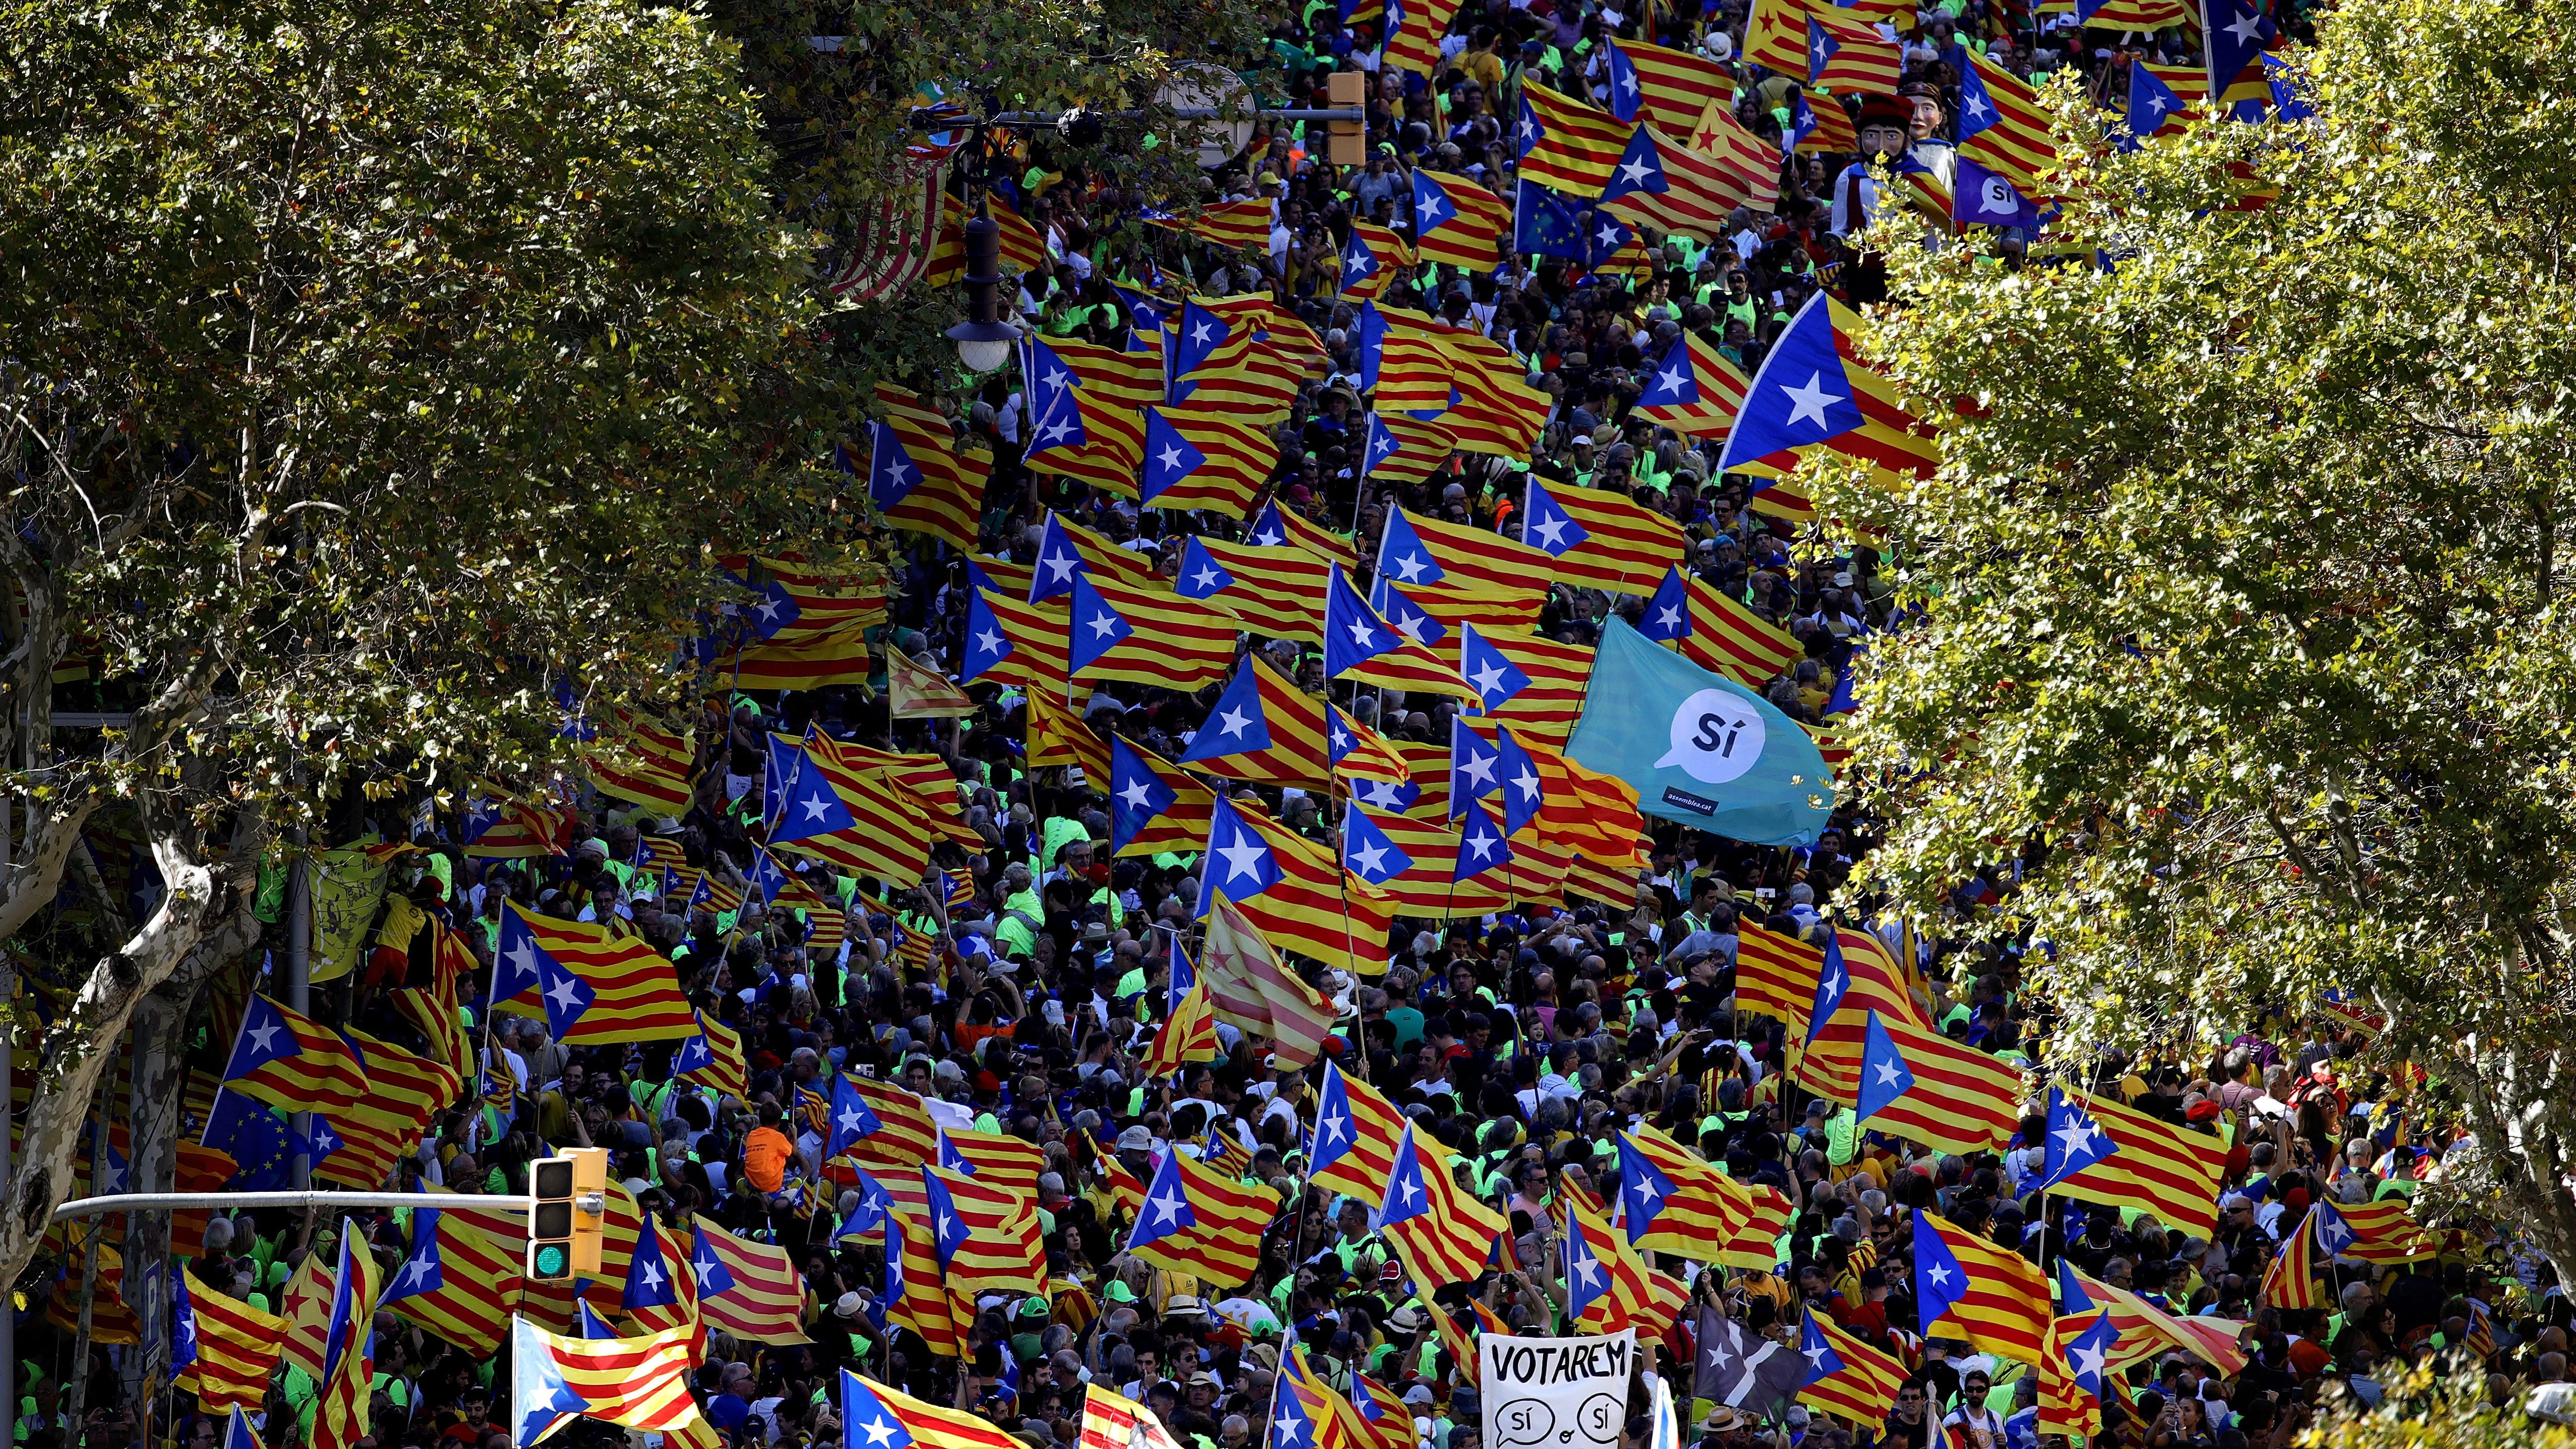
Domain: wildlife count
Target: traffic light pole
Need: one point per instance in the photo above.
(472, 1205)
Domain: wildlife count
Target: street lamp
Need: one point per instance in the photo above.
(984, 341)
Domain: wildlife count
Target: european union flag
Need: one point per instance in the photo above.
(1545, 224)
(255, 1139)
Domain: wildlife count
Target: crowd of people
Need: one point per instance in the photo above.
(1022, 984)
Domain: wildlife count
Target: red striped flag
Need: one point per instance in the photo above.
(646, 764)
(1752, 161)
(1351, 1145)
(1276, 526)
(1428, 886)
(1663, 185)
(1849, 56)
(2000, 1302)
(1832, 132)
(1670, 1199)
(1450, 608)
(1694, 390)
(1204, 456)
(1251, 988)
(2385, 1232)
(1457, 221)
(1058, 736)
(591, 988)
(2291, 1279)
(1415, 370)
(1673, 86)
(2165, 1171)
(1407, 450)
(1128, 379)
(1444, 1234)
(635, 1383)
(990, 1156)
(236, 1348)
(1112, 1422)
(933, 489)
(1079, 435)
(1262, 729)
(1566, 144)
(1599, 538)
(898, 1132)
(1151, 637)
(1197, 1222)
(292, 1062)
(917, 1294)
(340, 1417)
(1189, 1035)
(1721, 633)
(1419, 550)
(1454, 1341)
(2002, 126)
(750, 1290)
(1963, 1101)
(1277, 593)
(1291, 892)
(1862, 1387)
(1023, 250)
(1009, 641)
(1414, 42)
(458, 1282)
(1776, 36)
(872, 1413)
(1138, 825)
(1757, 1216)
(985, 1233)
(1775, 974)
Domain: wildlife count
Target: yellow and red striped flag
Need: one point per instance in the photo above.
(1754, 162)
(589, 987)
(1454, 1341)
(458, 1282)
(1128, 379)
(1189, 1035)
(916, 475)
(1406, 450)
(916, 691)
(1110, 1421)
(1023, 250)
(2165, 1171)
(1716, 631)
(1414, 42)
(750, 1290)
(1665, 186)
(1289, 891)
(647, 764)
(990, 1156)
(1667, 88)
(1351, 1146)
(985, 1234)
(813, 663)
(1262, 729)
(1277, 593)
(715, 1058)
(1826, 128)
(1154, 806)
(1204, 456)
(1427, 883)
(1849, 1379)
(1670, 1199)
(886, 834)
(1195, 1221)
(916, 1291)
(1961, 1100)
(340, 1418)
(1242, 225)
(1758, 1214)
(1066, 549)
(1887, 434)
(1541, 683)
(1058, 736)
(1694, 390)
(2385, 1232)
(290, 1061)
(1446, 608)
(2291, 1280)
(1079, 435)
(1277, 527)
(1498, 414)
(1994, 1299)
(225, 1351)
(1360, 752)
(1443, 1232)
(1457, 221)
(1009, 641)
(2001, 124)
(1252, 989)
(1420, 550)
(1568, 145)
(1846, 55)
(1776, 37)
(1609, 1289)
(635, 1383)
(1599, 538)
(1138, 636)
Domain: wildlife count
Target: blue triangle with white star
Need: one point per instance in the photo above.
(1097, 625)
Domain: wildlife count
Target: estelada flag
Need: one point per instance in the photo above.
(750, 1290)
(1154, 807)
(1262, 729)
(1197, 1222)
(1277, 593)
(916, 691)
(1599, 538)
(1566, 144)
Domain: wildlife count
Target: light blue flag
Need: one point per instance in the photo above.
(1699, 748)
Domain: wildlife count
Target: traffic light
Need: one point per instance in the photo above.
(1346, 142)
(567, 1213)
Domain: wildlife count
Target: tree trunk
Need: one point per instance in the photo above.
(207, 908)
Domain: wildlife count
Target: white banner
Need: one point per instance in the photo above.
(1555, 1393)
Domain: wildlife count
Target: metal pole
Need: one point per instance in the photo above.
(299, 978)
(8, 1109)
(467, 1203)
